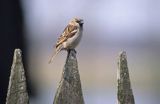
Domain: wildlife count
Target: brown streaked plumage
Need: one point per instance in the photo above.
(70, 37)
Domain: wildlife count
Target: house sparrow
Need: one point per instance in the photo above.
(70, 37)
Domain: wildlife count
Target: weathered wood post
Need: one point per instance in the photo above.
(124, 93)
(17, 89)
(69, 90)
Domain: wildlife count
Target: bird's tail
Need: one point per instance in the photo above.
(55, 54)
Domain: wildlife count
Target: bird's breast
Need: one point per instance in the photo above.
(72, 42)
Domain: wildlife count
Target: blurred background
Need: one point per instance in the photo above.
(110, 26)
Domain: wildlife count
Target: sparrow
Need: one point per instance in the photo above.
(70, 37)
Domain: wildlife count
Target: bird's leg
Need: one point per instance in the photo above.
(74, 50)
(69, 50)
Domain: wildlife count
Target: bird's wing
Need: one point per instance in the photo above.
(68, 32)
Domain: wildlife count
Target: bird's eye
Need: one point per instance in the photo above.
(78, 21)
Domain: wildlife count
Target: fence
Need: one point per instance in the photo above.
(69, 90)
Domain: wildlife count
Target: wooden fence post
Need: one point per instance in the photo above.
(69, 90)
(124, 93)
(17, 89)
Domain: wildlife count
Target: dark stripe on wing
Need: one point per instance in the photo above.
(68, 32)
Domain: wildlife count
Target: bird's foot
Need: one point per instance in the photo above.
(72, 50)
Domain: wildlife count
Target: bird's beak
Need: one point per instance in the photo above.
(81, 21)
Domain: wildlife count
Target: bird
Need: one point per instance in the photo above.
(70, 37)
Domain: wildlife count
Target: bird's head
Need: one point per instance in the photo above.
(77, 21)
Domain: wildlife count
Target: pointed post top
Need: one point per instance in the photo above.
(17, 88)
(17, 56)
(122, 55)
(69, 90)
(124, 93)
